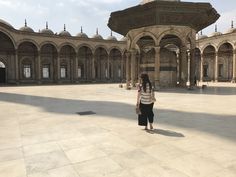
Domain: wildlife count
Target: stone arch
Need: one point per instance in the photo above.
(85, 56)
(171, 32)
(49, 42)
(85, 45)
(223, 42)
(143, 34)
(115, 64)
(30, 41)
(101, 63)
(66, 44)
(10, 37)
(209, 56)
(67, 56)
(114, 47)
(101, 46)
(173, 59)
(27, 55)
(48, 61)
(225, 61)
(206, 45)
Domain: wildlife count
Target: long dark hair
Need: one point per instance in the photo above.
(145, 81)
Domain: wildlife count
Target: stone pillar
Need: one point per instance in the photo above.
(122, 68)
(58, 68)
(16, 67)
(72, 69)
(133, 64)
(234, 67)
(201, 67)
(76, 67)
(192, 67)
(216, 67)
(38, 70)
(157, 67)
(183, 66)
(127, 70)
(108, 67)
(93, 66)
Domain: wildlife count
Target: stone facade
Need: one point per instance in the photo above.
(216, 57)
(170, 54)
(44, 57)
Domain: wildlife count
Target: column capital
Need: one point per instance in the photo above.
(127, 54)
(133, 51)
(157, 48)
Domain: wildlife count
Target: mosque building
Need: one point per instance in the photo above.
(46, 57)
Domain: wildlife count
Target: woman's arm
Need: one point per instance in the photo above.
(138, 98)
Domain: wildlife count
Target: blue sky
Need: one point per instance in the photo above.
(90, 14)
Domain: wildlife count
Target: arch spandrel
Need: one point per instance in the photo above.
(139, 36)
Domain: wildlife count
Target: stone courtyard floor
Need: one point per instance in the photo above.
(41, 134)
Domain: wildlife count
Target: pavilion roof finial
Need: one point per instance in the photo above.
(46, 25)
(64, 27)
(232, 24)
(97, 31)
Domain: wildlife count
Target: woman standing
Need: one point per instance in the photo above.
(145, 101)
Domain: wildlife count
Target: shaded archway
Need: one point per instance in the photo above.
(85, 63)
(115, 70)
(209, 55)
(48, 65)
(27, 54)
(198, 64)
(145, 58)
(67, 57)
(7, 54)
(173, 61)
(225, 62)
(101, 64)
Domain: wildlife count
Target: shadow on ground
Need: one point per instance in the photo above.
(219, 125)
(210, 90)
(166, 133)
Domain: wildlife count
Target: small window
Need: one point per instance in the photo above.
(119, 72)
(46, 71)
(79, 72)
(27, 71)
(63, 72)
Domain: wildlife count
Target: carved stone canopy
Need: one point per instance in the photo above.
(158, 12)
